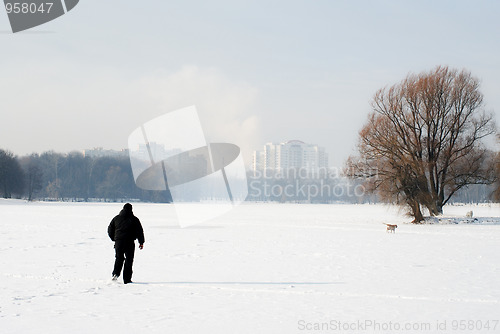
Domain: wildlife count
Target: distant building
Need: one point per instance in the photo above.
(154, 151)
(99, 152)
(258, 162)
(293, 154)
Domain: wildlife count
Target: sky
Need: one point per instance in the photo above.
(257, 71)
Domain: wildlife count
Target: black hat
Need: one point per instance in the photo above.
(127, 207)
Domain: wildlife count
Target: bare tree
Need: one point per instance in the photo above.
(113, 186)
(33, 174)
(424, 140)
(11, 175)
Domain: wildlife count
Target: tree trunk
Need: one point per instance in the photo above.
(30, 188)
(416, 212)
(433, 208)
(439, 202)
(439, 209)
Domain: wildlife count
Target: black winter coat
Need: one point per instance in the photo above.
(126, 227)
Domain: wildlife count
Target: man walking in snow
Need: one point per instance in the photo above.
(123, 230)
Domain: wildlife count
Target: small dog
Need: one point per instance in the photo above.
(391, 228)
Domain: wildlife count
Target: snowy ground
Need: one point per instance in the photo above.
(262, 268)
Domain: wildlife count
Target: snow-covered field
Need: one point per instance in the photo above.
(262, 268)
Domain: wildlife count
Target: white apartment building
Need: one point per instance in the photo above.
(293, 154)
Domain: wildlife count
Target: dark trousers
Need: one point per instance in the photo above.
(124, 251)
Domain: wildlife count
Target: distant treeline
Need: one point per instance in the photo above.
(75, 177)
(71, 177)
